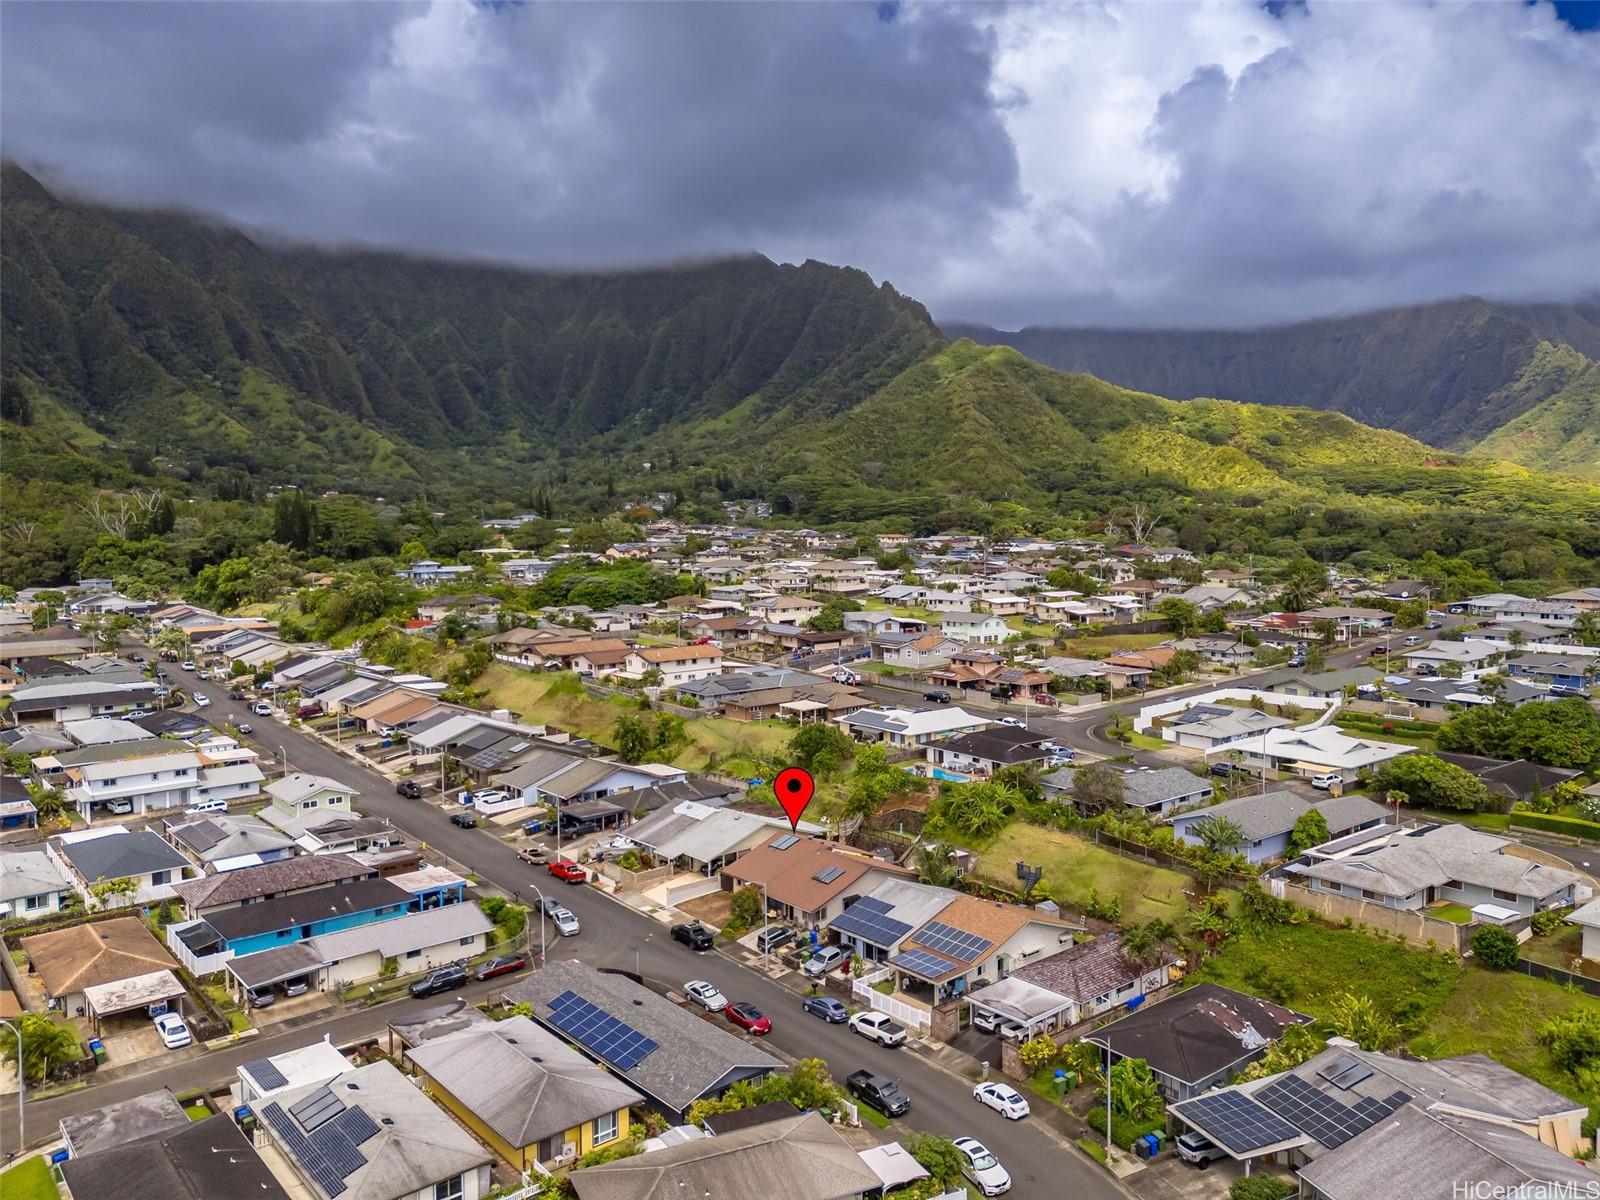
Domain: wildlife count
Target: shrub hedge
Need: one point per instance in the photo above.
(1555, 823)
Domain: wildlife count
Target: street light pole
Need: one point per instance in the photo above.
(540, 894)
(22, 1086)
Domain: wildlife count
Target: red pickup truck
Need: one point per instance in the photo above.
(570, 871)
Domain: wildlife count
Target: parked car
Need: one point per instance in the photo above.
(261, 708)
(881, 1092)
(1434, 625)
(1222, 769)
(705, 995)
(879, 1027)
(504, 965)
(120, 808)
(576, 829)
(296, 987)
(1412, 639)
(693, 935)
(549, 906)
(1003, 1098)
(823, 961)
(749, 1018)
(235, 694)
(188, 664)
(306, 711)
(246, 728)
(174, 1033)
(1058, 760)
(565, 922)
(445, 979)
(464, 820)
(201, 700)
(534, 856)
(985, 1021)
(1198, 1149)
(938, 697)
(1013, 1031)
(409, 788)
(569, 871)
(265, 998)
(826, 1007)
(982, 1168)
(1324, 782)
(1014, 722)
(773, 936)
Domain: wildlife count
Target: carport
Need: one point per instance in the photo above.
(254, 972)
(1244, 1128)
(102, 1000)
(1014, 999)
(604, 811)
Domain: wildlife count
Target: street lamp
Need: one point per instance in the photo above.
(540, 894)
(22, 1086)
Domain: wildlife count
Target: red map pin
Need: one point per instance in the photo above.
(794, 787)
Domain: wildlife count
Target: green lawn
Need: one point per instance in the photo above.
(1499, 822)
(1098, 647)
(1074, 867)
(1556, 950)
(197, 1112)
(29, 1180)
(1457, 914)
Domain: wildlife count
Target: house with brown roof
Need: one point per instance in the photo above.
(677, 664)
(93, 954)
(1075, 984)
(812, 702)
(929, 650)
(970, 939)
(393, 710)
(806, 880)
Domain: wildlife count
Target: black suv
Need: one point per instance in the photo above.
(409, 788)
(693, 935)
(937, 697)
(445, 979)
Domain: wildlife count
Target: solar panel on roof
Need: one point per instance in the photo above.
(1236, 1121)
(957, 943)
(267, 1075)
(311, 1111)
(1344, 1072)
(867, 918)
(617, 1042)
(828, 874)
(785, 842)
(924, 963)
(1326, 1118)
(308, 1155)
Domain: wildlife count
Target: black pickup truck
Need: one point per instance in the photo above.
(693, 935)
(882, 1093)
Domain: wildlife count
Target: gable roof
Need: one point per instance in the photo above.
(29, 873)
(790, 874)
(1198, 1032)
(292, 789)
(79, 956)
(120, 855)
(1147, 788)
(301, 908)
(691, 1057)
(199, 1160)
(268, 879)
(520, 1080)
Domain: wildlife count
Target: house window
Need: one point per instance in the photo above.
(1371, 895)
(1499, 895)
(1332, 885)
(1453, 884)
(34, 902)
(450, 1189)
(467, 941)
(157, 878)
(413, 953)
(605, 1128)
(308, 804)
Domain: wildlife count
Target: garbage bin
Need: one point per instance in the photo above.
(1152, 1146)
(98, 1049)
(1140, 1147)
(244, 1117)
(59, 1157)
(1160, 1140)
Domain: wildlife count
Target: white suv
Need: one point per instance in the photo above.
(705, 995)
(823, 961)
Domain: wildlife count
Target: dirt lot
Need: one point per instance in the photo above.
(714, 909)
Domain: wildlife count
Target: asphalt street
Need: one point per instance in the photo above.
(615, 936)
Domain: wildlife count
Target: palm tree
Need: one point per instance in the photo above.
(1221, 835)
(934, 866)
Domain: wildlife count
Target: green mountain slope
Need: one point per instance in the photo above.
(1464, 374)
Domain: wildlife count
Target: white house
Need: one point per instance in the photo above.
(1433, 658)
(157, 782)
(970, 627)
(677, 664)
(903, 728)
(31, 885)
(1325, 750)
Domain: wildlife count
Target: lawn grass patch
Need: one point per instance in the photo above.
(1096, 647)
(1456, 914)
(197, 1112)
(868, 1113)
(29, 1180)
(1499, 822)
(1073, 868)
(1093, 1149)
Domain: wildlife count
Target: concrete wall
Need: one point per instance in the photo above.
(1415, 928)
(633, 881)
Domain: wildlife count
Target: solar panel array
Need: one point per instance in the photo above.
(1237, 1121)
(1330, 1121)
(828, 874)
(330, 1152)
(785, 842)
(868, 918)
(925, 963)
(312, 1110)
(948, 940)
(620, 1044)
(1345, 1072)
(267, 1075)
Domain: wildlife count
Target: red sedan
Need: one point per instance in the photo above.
(504, 965)
(749, 1018)
(570, 871)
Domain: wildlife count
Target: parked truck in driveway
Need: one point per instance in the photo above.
(881, 1092)
(879, 1027)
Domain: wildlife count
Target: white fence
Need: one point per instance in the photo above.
(198, 964)
(692, 890)
(910, 1015)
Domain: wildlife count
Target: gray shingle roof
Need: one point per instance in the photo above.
(200, 1160)
(1146, 789)
(1198, 1032)
(1083, 972)
(693, 1057)
(119, 855)
(1411, 859)
(287, 875)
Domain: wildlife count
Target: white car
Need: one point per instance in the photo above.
(705, 995)
(982, 1168)
(985, 1021)
(1014, 722)
(188, 665)
(1003, 1098)
(1014, 1031)
(174, 1033)
(202, 700)
(261, 708)
(1325, 782)
(566, 924)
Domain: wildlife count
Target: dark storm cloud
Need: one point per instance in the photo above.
(1124, 164)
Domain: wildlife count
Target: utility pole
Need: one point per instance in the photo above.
(540, 913)
(22, 1086)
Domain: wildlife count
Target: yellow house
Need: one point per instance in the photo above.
(524, 1092)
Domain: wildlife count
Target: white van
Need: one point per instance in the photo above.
(207, 806)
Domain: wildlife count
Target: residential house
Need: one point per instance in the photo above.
(1413, 868)
(1208, 597)
(520, 1089)
(1574, 671)
(218, 842)
(1004, 604)
(1442, 657)
(1211, 726)
(1584, 599)
(1350, 622)
(676, 664)
(1516, 780)
(427, 573)
(31, 885)
(983, 629)
(1554, 613)
(797, 1156)
(266, 924)
(844, 578)
(947, 602)
(1197, 1038)
(55, 700)
(249, 885)
(1072, 985)
(1358, 1125)
(195, 1160)
(1160, 790)
(989, 750)
(817, 702)
(1326, 683)
(705, 839)
(1267, 820)
(970, 939)
(920, 653)
(676, 1058)
(874, 623)
(370, 1134)
(119, 866)
(807, 881)
(1311, 751)
(71, 961)
(785, 610)
(299, 792)
(1587, 918)
(1223, 649)
(149, 1114)
(904, 729)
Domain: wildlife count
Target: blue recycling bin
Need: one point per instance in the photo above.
(1152, 1146)
(59, 1157)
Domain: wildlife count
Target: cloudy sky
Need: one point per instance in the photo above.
(1162, 163)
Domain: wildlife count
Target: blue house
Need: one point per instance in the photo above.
(287, 919)
(426, 571)
(1266, 821)
(1558, 670)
